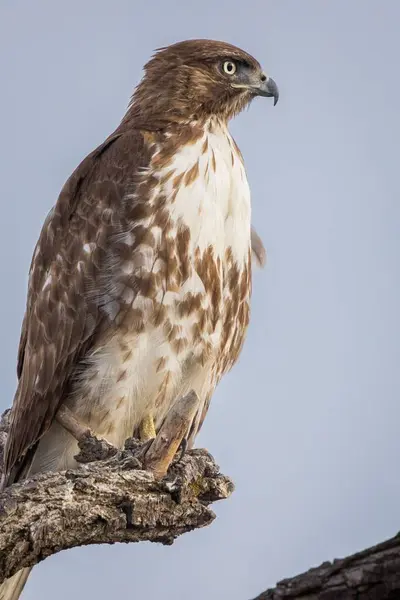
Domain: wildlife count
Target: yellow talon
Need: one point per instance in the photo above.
(147, 431)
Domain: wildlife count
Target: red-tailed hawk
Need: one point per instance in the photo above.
(140, 282)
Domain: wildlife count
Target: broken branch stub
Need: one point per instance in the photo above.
(176, 425)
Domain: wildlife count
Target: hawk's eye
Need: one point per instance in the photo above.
(229, 67)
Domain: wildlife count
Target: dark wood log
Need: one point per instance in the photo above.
(372, 574)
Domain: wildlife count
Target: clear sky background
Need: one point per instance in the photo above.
(307, 424)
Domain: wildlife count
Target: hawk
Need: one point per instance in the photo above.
(140, 282)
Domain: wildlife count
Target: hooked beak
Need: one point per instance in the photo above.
(267, 88)
(259, 85)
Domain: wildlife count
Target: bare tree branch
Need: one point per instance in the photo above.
(373, 574)
(113, 499)
(108, 501)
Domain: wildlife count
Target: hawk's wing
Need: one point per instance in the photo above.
(257, 248)
(61, 321)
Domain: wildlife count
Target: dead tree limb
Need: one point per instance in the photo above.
(114, 499)
(372, 574)
(108, 501)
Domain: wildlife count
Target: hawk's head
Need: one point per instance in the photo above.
(200, 78)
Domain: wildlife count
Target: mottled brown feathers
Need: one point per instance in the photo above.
(115, 254)
(184, 81)
(61, 323)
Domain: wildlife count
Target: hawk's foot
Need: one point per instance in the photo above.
(147, 430)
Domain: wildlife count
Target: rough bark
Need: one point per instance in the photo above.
(107, 501)
(113, 499)
(373, 574)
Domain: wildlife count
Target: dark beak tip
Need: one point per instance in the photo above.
(273, 90)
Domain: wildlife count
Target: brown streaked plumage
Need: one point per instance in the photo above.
(140, 283)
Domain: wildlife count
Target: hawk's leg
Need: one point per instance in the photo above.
(66, 418)
(90, 447)
(147, 430)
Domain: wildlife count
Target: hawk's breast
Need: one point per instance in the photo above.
(207, 235)
(177, 291)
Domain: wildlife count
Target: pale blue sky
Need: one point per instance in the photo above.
(307, 423)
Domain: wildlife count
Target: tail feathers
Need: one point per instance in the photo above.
(11, 588)
(55, 451)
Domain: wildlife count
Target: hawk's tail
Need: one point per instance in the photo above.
(55, 451)
(11, 588)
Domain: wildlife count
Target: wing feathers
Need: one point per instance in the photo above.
(61, 319)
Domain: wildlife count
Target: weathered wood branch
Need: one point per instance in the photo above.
(177, 422)
(372, 574)
(114, 499)
(110, 500)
